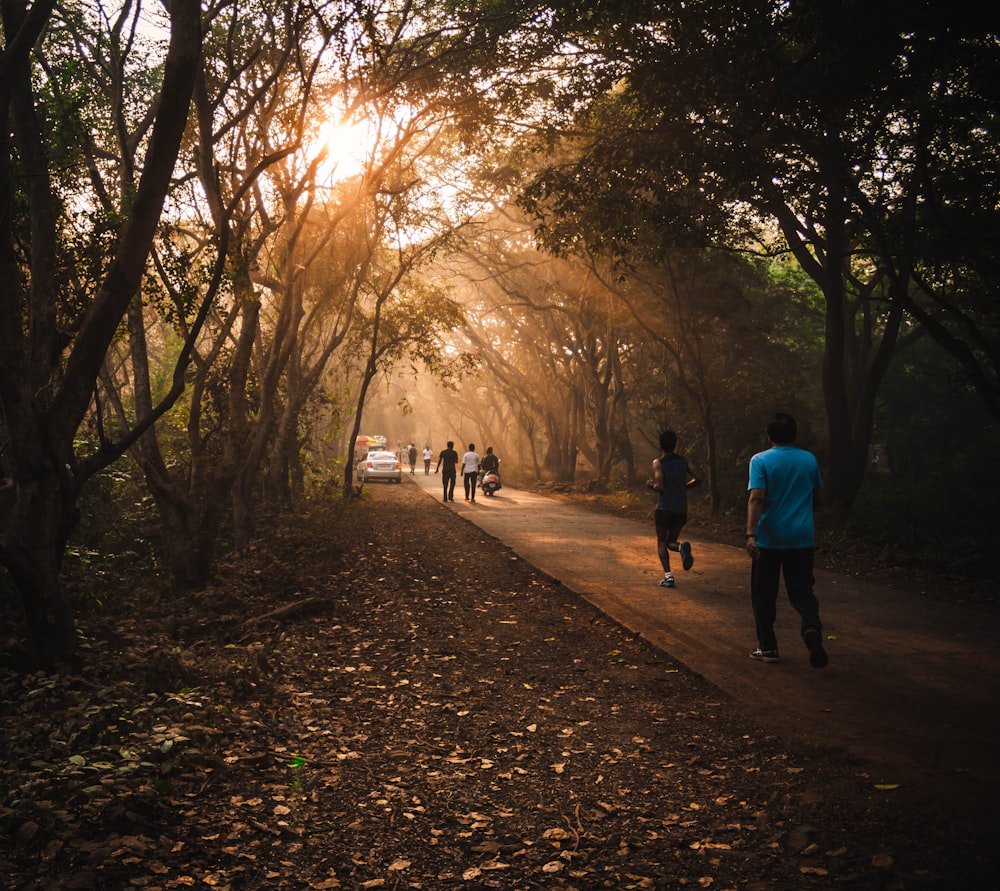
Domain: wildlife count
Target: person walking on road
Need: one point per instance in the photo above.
(470, 471)
(448, 457)
(428, 455)
(673, 475)
(411, 453)
(784, 483)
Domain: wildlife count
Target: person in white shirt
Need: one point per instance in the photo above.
(428, 455)
(470, 471)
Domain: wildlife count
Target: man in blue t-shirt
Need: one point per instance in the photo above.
(783, 484)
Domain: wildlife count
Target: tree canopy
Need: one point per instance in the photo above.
(853, 138)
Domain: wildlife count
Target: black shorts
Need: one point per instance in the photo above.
(668, 519)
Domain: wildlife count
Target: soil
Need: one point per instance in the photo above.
(367, 700)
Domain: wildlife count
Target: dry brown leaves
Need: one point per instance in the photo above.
(430, 714)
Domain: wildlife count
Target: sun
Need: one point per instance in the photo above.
(347, 148)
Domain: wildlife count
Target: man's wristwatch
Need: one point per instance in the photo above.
(750, 535)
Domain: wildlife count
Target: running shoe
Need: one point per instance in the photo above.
(814, 643)
(687, 561)
(764, 655)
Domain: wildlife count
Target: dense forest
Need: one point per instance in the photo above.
(235, 236)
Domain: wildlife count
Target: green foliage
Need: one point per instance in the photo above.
(183, 276)
(934, 490)
(931, 423)
(297, 766)
(941, 522)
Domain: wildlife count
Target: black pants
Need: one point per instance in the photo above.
(470, 485)
(796, 564)
(448, 478)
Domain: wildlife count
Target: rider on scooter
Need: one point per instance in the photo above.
(491, 461)
(489, 464)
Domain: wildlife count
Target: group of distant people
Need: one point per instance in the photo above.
(472, 467)
(410, 455)
(780, 537)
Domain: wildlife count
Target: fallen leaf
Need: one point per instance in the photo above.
(556, 833)
(495, 864)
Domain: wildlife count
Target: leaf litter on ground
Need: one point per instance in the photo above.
(377, 696)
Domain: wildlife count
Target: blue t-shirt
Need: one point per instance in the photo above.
(789, 476)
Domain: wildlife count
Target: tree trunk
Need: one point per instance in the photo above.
(356, 428)
(855, 355)
(283, 457)
(188, 565)
(851, 379)
(239, 444)
(624, 450)
(44, 511)
(712, 470)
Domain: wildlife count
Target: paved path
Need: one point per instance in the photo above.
(913, 685)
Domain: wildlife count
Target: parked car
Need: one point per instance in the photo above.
(380, 465)
(368, 443)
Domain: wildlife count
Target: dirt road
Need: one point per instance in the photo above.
(913, 685)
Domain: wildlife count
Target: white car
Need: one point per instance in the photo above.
(380, 465)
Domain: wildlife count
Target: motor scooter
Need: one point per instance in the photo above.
(490, 482)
